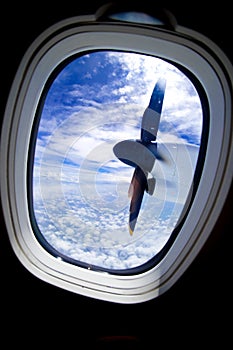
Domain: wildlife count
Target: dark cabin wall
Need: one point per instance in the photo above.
(194, 312)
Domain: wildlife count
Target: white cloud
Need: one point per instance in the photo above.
(80, 188)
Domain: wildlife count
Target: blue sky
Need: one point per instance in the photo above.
(80, 188)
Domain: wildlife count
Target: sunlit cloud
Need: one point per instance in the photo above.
(80, 189)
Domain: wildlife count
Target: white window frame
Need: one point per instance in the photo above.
(77, 35)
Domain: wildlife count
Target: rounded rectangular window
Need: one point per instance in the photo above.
(116, 154)
(94, 202)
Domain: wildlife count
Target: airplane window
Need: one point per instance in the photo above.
(90, 140)
(116, 153)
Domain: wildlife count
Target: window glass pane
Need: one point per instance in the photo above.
(80, 187)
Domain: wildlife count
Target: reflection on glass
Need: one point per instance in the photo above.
(80, 187)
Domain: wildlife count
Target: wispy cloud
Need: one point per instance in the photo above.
(80, 188)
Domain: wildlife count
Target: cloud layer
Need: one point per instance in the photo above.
(80, 188)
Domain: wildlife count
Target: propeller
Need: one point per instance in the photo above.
(141, 154)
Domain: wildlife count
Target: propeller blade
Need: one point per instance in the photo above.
(136, 191)
(151, 116)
